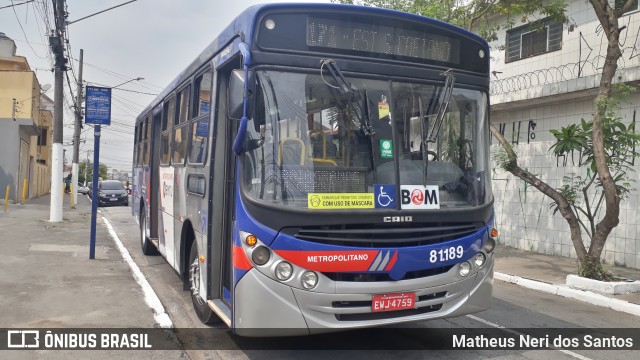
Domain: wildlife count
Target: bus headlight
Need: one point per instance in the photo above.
(465, 269)
(284, 271)
(479, 259)
(260, 255)
(309, 280)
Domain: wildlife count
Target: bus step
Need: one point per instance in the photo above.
(221, 309)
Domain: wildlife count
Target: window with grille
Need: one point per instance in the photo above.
(533, 39)
(620, 4)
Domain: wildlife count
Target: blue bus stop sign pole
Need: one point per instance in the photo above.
(98, 112)
(94, 190)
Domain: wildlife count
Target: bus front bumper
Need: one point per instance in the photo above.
(264, 307)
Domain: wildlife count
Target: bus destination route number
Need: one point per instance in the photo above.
(382, 39)
(393, 302)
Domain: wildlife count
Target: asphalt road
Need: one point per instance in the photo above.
(513, 308)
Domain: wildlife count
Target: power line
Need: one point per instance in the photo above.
(14, 5)
(22, 28)
(121, 76)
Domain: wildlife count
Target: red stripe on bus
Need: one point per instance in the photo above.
(392, 262)
(331, 261)
(240, 259)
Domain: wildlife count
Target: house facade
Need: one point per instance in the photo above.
(546, 76)
(25, 127)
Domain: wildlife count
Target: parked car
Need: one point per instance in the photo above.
(83, 190)
(112, 192)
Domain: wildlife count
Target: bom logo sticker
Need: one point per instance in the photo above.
(420, 197)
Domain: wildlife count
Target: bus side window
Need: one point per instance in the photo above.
(168, 115)
(180, 133)
(147, 141)
(200, 125)
(136, 141)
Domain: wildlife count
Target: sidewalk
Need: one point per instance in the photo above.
(545, 270)
(48, 281)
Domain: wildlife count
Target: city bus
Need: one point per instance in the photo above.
(322, 167)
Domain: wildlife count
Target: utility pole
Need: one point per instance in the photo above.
(76, 134)
(56, 41)
(86, 168)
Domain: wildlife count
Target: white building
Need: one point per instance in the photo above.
(546, 78)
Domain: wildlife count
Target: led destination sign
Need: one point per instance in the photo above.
(381, 39)
(369, 38)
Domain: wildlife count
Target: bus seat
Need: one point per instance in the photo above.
(323, 146)
(292, 151)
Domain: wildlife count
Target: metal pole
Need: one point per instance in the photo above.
(57, 42)
(76, 135)
(86, 169)
(24, 191)
(94, 191)
(6, 197)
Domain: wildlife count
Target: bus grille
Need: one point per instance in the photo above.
(373, 277)
(381, 236)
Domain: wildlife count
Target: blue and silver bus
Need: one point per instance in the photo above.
(322, 167)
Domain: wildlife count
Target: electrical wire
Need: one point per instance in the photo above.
(23, 32)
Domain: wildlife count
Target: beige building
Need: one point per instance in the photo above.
(25, 127)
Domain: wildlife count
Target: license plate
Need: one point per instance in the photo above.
(113, 199)
(393, 302)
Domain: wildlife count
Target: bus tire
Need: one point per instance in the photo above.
(147, 247)
(204, 312)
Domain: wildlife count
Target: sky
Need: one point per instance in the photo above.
(152, 39)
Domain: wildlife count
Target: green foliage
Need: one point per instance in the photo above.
(568, 139)
(571, 186)
(593, 270)
(620, 143)
(501, 157)
(83, 168)
(476, 15)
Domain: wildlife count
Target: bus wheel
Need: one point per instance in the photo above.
(147, 246)
(204, 312)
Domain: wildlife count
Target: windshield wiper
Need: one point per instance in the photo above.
(449, 82)
(360, 106)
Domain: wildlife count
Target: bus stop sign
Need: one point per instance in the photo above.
(98, 106)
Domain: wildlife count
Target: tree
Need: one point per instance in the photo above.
(87, 168)
(598, 139)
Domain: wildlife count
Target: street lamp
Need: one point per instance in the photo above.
(126, 82)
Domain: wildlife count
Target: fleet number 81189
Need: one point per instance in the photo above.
(446, 254)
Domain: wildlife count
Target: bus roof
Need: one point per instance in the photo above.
(244, 24)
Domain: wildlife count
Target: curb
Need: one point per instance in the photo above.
(565, 291)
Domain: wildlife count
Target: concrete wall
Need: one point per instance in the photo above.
(554, 90)
(581, 56)
(523, 215)
(22, 86)
(10, 136)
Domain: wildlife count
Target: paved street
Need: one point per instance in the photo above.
(513, 307)
(46, 280)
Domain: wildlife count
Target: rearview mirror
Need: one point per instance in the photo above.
(236, 94)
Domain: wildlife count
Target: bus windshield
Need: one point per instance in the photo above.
(323, 138)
